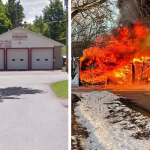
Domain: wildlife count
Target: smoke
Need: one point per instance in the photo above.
(128, 13)
(133, 11)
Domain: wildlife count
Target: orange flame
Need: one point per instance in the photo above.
(113, 57)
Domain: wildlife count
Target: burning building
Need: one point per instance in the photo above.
(122, 58)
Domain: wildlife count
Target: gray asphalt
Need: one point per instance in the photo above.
(31, 116)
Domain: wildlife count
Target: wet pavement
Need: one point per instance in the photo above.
(136, 96)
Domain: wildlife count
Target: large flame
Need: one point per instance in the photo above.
(113, 57)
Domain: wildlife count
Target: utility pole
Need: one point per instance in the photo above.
(67, 61)
(16, 10)
(49, 27)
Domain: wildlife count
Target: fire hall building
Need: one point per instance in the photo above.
(21, 49)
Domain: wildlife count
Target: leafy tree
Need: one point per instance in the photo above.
(90, 19)
(39, 23)
(32, 27)
(48, 25)
(80, 6)
(2, 7)
(52, 15)
(14, 11)
(5, 23)
(38, 26)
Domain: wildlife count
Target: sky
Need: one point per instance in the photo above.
(32, 8)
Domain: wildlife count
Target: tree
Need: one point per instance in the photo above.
(38, 26)
(32, 27)
(53, 14)
(5, 23)
(39, 23)
(132, 11)
(14, 12)
(79, 6)
(90, 19)
(45, 26)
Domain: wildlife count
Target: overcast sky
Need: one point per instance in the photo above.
(32, 8)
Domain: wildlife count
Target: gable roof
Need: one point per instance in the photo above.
(32, 33)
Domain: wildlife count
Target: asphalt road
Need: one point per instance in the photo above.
(31, 116)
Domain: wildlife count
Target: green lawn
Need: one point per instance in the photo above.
(60, 88)
(64, 51)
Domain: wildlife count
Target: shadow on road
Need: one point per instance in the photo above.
(10, 92)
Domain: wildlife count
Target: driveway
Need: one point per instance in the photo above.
(31, 116)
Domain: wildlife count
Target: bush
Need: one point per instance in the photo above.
(64, 69)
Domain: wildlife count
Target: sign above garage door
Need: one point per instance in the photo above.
(19, 36)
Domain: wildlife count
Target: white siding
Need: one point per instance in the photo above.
(33, 39)
(17, 59)
(42, 58)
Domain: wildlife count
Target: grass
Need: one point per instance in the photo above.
(60, 88)
(64, 69)
(64, 51)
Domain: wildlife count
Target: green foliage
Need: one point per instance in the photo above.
(45, 26)
(11, 12)
(39, 23)
(64, 51)
(2, 7)
(32, 28)
(60, 88)
(64, 69)
(8, 15)
(52, 13)
(5, 23)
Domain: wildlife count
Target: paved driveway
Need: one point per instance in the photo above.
(31, 116)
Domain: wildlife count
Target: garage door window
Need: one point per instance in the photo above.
(13, 59)
(46, 59)
(37, 59)
(21, 59)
